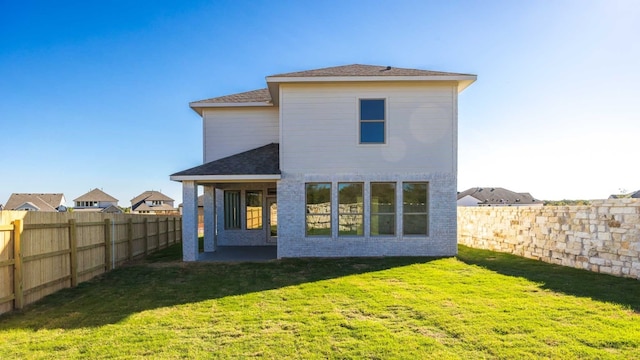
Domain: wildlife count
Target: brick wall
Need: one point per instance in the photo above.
(292, 241)
(603, 237)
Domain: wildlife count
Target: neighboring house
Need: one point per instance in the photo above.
(36, 202)
(152, 202)
(353, 160)
(495, 197)
(97, 200)
(631, 195)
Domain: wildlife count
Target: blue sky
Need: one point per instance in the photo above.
(95, 94)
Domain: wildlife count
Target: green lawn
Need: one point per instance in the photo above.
(478, 305)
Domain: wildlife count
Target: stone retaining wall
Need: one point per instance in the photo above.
(603, 237)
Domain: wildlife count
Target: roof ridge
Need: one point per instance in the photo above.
(365, 70)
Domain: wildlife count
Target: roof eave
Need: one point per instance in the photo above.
(298, 79)
(273, 82)
(198, 107)
(225, 178)
(463, 84)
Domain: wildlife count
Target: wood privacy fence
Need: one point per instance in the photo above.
(43, 252)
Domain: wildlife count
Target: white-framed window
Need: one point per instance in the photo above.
(383, 208)
(415, 208)
(372, 121)
(318, 209)
(86, 203)
(232, 210)
(350, 209)
(156, 202)
(253, 209)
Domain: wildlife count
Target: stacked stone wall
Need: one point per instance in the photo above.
(603, 237)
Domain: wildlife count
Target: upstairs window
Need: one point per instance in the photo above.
(372, 121)
(86, 203)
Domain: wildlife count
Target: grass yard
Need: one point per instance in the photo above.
(478, 305)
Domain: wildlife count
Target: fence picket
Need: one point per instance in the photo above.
(17, 266)
(46, 252)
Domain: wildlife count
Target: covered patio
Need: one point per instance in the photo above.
(239, 206)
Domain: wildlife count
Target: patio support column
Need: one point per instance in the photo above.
(209, 218)
(189, 221)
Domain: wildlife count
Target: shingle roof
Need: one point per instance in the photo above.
(145, 207)
(45, 202)
(365, 70)
(499, 196)
(112, 209)
(260, 95)
(96, 195)
(354, 70)
(264, 160)
(151, 195)
(632, 195)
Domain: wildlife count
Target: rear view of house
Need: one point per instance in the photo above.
(355, 160)
(152, 202)
(96, 200)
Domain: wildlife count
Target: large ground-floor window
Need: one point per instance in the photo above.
(383, 209)
(391, 205)
(318, 208)
(232, 210)
(350, 209)
(253, 205)
(415, 219)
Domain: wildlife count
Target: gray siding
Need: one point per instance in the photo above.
(234, 130)
(320, 128)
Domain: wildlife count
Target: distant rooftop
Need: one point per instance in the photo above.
(499, 196)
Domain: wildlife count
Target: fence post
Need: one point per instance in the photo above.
(179, 230)
(157, 234)
(107, 245)
(17, 265)
(174, 231)
(146, 235)
(73, 245)
(168, 232)
(130, 238)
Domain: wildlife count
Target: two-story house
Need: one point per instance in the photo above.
(154, 203)
(353, 160)
(96, 200)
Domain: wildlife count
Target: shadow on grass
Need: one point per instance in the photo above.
(566, 280)
(160, 282)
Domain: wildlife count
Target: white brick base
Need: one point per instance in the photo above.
(441, 240)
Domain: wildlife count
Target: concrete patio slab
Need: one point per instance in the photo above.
(240, 254)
